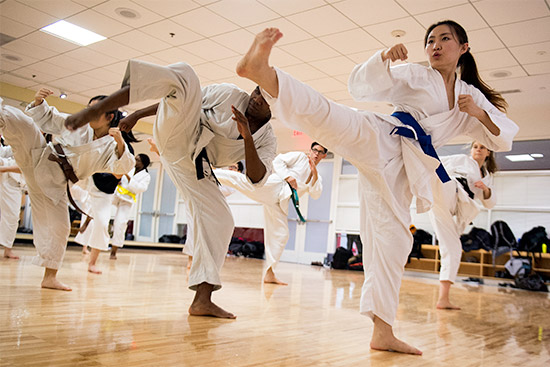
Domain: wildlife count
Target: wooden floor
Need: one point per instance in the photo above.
(135, 314)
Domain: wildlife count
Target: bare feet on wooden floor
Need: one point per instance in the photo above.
(446, 305)
(256, 60)
(272, 279)
(94, 269)
(208, 308)
(53, 283)
(8, 254)
(384, 340)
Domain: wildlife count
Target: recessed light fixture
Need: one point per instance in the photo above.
(72, 33)
(520, 157)
(62, 95)
(500, 73)
(537, 155)
(398, 33)
(127, 13)
(124, 113)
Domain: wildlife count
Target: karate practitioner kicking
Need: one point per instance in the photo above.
(91, 149)
(392, 166)
(295, 169)
(219, 125)
(11, 192)
(455, 207)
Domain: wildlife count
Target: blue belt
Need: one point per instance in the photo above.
(424, 139)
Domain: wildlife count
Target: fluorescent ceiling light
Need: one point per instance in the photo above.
(520, 158)
(537, 155)
(72, 33)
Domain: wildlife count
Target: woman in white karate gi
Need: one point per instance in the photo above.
(11, 192)
(454, 208)
(195, 127)
(392, 168)
(95, 148)
(131, 185)
(295, 169)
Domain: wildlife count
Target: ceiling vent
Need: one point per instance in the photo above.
(12, 57)
(127, 13)
(500, 74)
(4, 39)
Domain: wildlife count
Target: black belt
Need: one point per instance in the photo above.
(199, 166)
(68, 171)
(464, 182)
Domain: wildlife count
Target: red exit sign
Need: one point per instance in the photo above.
(297, 133)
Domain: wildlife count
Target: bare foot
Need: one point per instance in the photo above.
(189, 262)
(256, 60)
(85, 251)
(446, 305)
(53, 283)
(209, 309)
(112, 257)
(272, 279)
(393, 345)
(93, 269)
(8, 254)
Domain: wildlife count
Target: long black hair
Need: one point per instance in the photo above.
(467, 65)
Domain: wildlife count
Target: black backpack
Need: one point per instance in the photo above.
(254, 249)
(504, 240)
(478, 238)
(420, 237)
(169, 238)
(340, 258)
(532, 240)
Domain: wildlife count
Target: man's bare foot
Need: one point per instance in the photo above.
(256, 60)
(272, 279)
(8, 253)
(198, 308)
(189, 262)
(85, 250)
(113, 256)
(93, 269)
(446, 305)
(53, 283)
(383, 339)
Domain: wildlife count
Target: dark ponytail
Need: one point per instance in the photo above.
(467, 65)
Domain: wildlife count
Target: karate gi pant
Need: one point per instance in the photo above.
(10, 208)
(97, 234)
(364, 139)
(276, 231)
(446, 228)
(122, 214)
(50, 219)
(176, 131)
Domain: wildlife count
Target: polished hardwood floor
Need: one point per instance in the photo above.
(135, 314)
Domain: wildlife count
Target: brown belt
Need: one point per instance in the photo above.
(68, 171)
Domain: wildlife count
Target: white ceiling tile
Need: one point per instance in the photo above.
(144, 16)
(12, 28)
(304, 72)
(16, 80)
(310, 50)
(50, 67)
(465, 15)
(70, 63)
(497, 12)
(537, 69)
(98, 23)
(353, 41)
(531, 31)
(115, 49)
(383, 32)
(424, 6)
(25, 14)
(512, 72)
(78, 83)
(212, 71)
(175, 55)
(119, 68)
(372, 12)
(22, 60)
(171, 32)
(287, 7)
(238, 41)
(141, 41)
(233, 10)
(55, 44)
(291, 33)
(343, 78)
(416, 51)
(363, 56)
(39, 75)
(484, 40)
(56, 8)
(6, 65)
(152, 59)
(531, 54)
(208, 50)
(29, 49)
(104, 75)
(315, 21)
(88, 3)
(205, 22)
(281, 58)
(325, 85)
(205, 2)
(334, 66)
(90, 56)
(489, 60)
(230, 63)
(168, 8)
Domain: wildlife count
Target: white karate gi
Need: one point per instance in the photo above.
(391, 168)
(188, 120)
(274, 196)
(45, 180)
(96, 234)
(138, 183)
(453, 209)
(11, 192)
